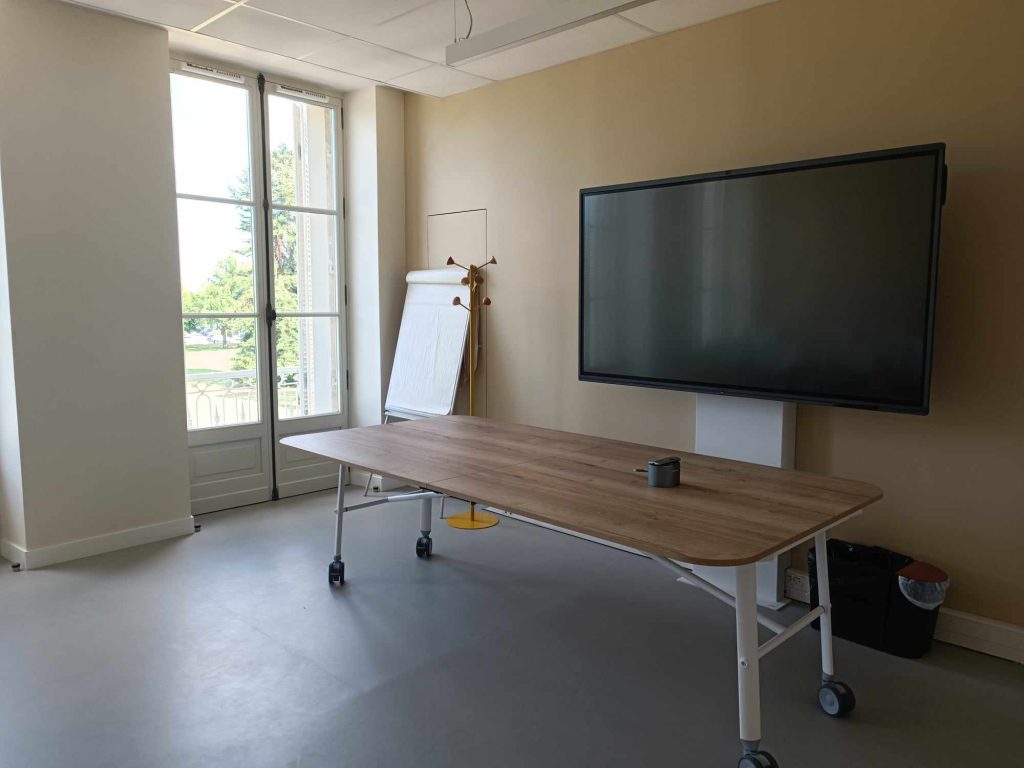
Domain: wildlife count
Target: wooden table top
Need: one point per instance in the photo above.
(722, 513)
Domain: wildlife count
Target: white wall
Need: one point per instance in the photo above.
(92, 269)
(375, 232)
(361, 257)
(12, 507)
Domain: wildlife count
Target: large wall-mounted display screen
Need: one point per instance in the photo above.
(810, 281)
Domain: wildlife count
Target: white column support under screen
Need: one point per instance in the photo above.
(758, 431)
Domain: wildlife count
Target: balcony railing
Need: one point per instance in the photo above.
(227, 398)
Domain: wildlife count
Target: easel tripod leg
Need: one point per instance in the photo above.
(370, 476)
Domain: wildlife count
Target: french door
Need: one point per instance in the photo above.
(262, 269)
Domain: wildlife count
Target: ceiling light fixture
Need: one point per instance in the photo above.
(550, 21)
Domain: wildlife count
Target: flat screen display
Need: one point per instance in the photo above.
(811, 281)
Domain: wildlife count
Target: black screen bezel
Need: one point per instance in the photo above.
(919, 407)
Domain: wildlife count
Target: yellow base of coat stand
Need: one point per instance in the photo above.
(472, 520)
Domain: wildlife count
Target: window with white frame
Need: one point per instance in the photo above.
(259, 237)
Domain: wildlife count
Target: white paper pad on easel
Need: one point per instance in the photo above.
(431, 343)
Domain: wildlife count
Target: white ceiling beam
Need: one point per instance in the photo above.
(550, 21)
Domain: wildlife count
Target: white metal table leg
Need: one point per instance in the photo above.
(747, 657)
(825, 602)
(425, 545)
(425, 509)
(336, 570)
(341, 511)
(835, 697)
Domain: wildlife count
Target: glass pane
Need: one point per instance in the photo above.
(215, 249)
(307, 366)
(305, 262)
(211, 138)
(301, 153)
(221, 384)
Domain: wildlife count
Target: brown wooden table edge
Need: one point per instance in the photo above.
(673, 553)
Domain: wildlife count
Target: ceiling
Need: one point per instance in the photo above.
(348, 44)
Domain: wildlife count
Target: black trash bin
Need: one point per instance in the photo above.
(880, 598)
(920, 589)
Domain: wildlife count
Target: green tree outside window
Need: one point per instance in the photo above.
(230, 287)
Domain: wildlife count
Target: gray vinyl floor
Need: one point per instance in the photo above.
(514, 646)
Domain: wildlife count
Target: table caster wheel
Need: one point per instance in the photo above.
(336, 573)
(758, 760)
(836, 699)
(424, 546)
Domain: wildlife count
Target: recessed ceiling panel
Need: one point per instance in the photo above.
(209, 49)
(366, 59)
(436, 80)
(666, 15)
(597, 36)
(346, 16)
(183, 14)
(347, 44)
(425, 31)
(488, 14)
(268, 32)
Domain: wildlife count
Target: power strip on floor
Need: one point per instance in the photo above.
(798, 585)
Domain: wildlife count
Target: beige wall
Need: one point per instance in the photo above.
(790, 80)
(92, 270)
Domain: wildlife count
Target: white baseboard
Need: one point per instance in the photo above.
(996, 638)
(15, 553)
(306, 485)
(40, 557)
(228, 501)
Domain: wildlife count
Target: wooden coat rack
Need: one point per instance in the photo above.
(473, 520)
